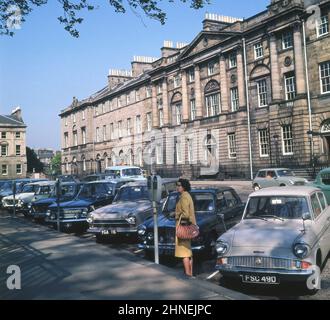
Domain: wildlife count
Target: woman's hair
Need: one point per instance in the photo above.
(185, 184)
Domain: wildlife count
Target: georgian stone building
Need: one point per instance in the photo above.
(13, 163)
(243, 95)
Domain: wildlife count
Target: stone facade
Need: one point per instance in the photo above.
(13, 163)
(235, 99)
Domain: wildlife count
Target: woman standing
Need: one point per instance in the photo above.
(185, 210)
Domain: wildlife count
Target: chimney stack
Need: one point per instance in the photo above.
(17, 113)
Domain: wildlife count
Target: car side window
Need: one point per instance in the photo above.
(221, 201)
(171, 203)
(316, 205)
(164, 192)
(231, 201)
(323, 202)
(262, 174)
(270, 174)
(171, 187)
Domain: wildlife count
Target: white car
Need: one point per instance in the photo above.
(284, 236)
(31, 192)
(125, 172)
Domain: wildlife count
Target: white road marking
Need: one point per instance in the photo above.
(212, 275)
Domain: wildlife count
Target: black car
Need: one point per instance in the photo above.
(91, 196)
(130, 208)
(38, 209)
(216, 210)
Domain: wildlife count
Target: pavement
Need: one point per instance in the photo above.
(57, 266)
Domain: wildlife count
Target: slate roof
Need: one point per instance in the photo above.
(11, 121)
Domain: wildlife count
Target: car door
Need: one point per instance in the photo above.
(322, 221)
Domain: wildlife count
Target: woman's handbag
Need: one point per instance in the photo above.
(186, 232)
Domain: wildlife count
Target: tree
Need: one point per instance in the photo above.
(56, 165)
(33, 163)
(15, 11)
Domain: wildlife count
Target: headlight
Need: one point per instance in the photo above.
(20, 202)
(53, 216)
(301, 250)
(48, 213)
(29, 205)
(90, 218)
(131, 220)
(221, 247)
(142, 230)
(150, 236)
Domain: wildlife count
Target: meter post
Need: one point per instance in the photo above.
(14, 197)
(58, 192)
(154, 205)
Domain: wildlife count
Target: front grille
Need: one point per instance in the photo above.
(118, 223)
(10, 202)
(166, 235)
(261, 262)
(41, 209)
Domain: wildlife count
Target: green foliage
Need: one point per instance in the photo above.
(33, 163)
(71, 9)
(56, 165)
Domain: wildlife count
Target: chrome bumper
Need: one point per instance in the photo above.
(169, 247)
(67, 220)
(114, 229)
(236, 271)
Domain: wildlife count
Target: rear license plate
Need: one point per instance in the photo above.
(260, 279)
(105, 232)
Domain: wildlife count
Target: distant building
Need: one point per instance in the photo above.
(234, 100)
(13, 163)
(45, 156)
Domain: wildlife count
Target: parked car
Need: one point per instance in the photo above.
(7, 188)
(216, 210)
(283, 236)
(322, 181)
(68, 178)
(38, 209)
(30, 192)
(276, 177)
(91, 196)
(130, 208)
(125, 172)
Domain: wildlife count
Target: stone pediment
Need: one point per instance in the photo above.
(204, 40)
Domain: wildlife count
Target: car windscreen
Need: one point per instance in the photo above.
(284, 207)
(285, 173)
(93, 190)
(131, 193)
(203, 202)
(28, 188)
(44, 190)
(112, 173)
(131, 172)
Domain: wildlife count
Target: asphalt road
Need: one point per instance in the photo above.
(204, 270)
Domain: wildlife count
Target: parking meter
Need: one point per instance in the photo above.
(14, 197)
(154, 184)
(58, 195)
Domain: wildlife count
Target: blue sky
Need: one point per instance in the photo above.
(42, 67)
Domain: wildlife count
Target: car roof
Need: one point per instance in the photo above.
(98, 181)
(42, 183)
(285, 191)
(325, 170)
(274, 169)
(121, 167)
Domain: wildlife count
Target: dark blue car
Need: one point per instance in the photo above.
(216, 210)
(69, 191)
(91, 196)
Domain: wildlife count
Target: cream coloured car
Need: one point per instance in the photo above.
(284, 236)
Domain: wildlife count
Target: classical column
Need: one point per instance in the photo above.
(198, 93)
(165, 103)
(185, 103)
(275, 72)
(223, 83)
(241, 78)
(299, 59)
(155, 122)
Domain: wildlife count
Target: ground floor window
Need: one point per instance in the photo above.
(287, 140)
(4, 169)
(232, 145)
(18, 169)
(264, 143)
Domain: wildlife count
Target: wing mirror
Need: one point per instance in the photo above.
(306, 216)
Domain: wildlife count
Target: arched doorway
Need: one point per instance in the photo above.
(98, 164)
